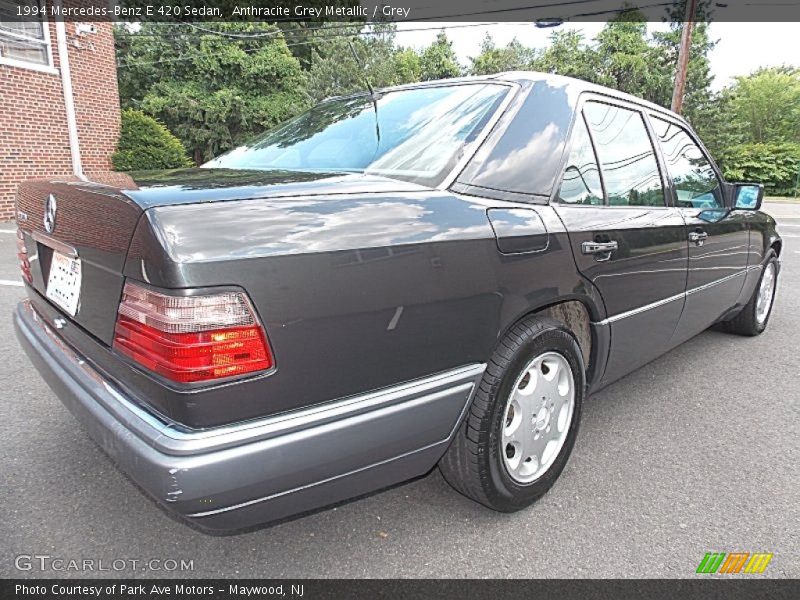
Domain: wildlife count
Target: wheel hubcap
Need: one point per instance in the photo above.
(766, 292)
(537, 417)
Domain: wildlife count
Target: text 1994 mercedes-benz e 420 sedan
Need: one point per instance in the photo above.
(435, 274)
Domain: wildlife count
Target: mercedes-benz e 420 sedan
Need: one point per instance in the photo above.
(435, 274)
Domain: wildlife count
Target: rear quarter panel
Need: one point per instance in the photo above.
(356, 293)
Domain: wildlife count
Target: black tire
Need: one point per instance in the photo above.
(746, 322)
(473, 464)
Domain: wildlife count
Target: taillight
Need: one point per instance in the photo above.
(22, 255)
(191, 338)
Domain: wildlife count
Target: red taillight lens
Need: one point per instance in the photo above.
(191, 338)
(22, 255)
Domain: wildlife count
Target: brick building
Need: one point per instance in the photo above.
(59, 104)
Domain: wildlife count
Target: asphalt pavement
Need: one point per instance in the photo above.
(696, 452)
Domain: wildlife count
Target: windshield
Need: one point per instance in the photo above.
(416, 135)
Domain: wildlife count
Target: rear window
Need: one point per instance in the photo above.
(416, 135)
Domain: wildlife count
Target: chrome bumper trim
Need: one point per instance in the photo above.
(174, 438)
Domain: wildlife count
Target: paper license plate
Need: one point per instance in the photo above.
(64, 283)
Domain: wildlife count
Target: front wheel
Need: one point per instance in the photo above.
(523, 420)
(753, 318)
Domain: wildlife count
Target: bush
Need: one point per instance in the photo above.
(146, 144)
(775, 165)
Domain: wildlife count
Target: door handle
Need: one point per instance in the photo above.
(601, 250)
(598, 247)
(698, 237)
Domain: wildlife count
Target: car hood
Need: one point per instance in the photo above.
(189, 186)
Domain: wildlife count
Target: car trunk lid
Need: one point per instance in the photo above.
(95, 221)
(68, 220)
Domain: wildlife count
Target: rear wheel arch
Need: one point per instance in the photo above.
(777, 246)
(576, 314)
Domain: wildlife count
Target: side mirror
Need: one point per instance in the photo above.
(748, 196)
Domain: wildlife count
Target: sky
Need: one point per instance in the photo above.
(742, 47)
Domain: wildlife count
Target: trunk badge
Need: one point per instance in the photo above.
(59, 323)
(50, 208)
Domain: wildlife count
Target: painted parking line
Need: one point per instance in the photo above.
(789, 235)
(10, 283)
(11, 231)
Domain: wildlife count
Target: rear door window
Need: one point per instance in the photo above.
(695, 181)
(628, 162)
(581, 182)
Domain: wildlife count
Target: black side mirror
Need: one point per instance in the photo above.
(748, 196)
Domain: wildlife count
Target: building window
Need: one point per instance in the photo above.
(23, 43)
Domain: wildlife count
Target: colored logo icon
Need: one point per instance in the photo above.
(734, 562)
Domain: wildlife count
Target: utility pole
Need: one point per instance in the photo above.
(683, 55)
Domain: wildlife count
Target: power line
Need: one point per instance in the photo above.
(257, 33)
(624, 9)
(502, 10)
(254, 34)
(294, 44)
(319, 39)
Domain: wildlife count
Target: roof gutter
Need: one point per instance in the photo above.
(69, 100)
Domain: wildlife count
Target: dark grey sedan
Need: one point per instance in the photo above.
(435, 274)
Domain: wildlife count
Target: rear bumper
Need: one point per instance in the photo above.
(237, 476)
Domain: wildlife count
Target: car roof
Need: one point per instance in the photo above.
(574, 85)
(579, 85)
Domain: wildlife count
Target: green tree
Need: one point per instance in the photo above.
(697, 93)
(335, 71)
(765, 106)
(145, 143)
(213, 90)
(568, 55)
(775, 164)
(407, 65)
(753, 129)
(513, 57)
(439, 61)
(761, 108)
(624, 57)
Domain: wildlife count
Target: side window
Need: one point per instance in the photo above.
(581, 183)
(695, 181)
(630, 169)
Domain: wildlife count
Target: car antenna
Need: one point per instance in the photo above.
(372, 95)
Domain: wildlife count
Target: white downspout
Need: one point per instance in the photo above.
(69, 100)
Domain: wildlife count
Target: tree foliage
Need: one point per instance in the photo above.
(335, 71)
(212, 90)
(569, 55)
(765, 106)
(697, 93)
(512, 57)
(215, 90)
(623, 56)
(753, 127)
(439, 61)
(775, 164)
(145, 144)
